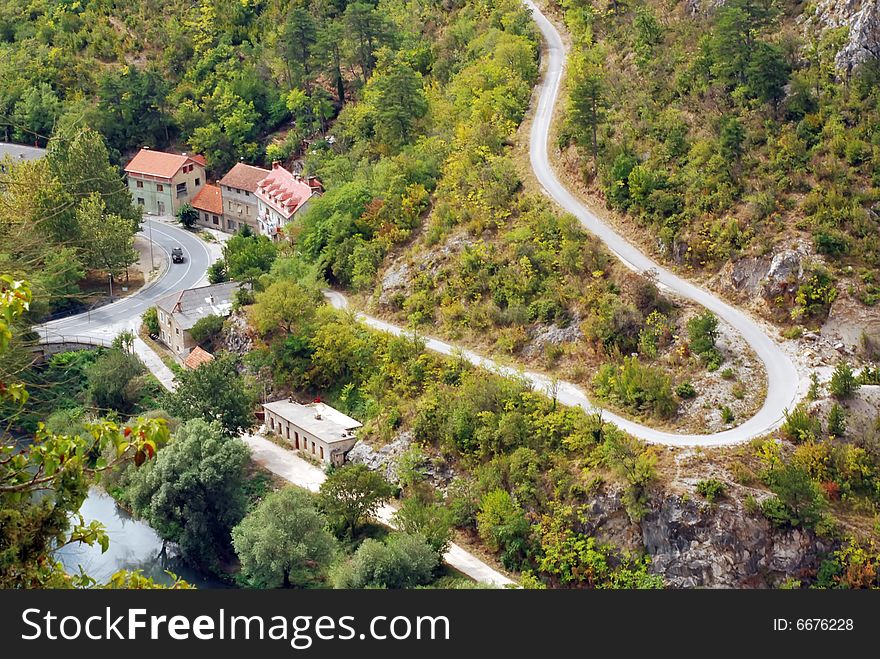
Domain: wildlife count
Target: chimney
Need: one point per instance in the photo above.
(276, 164)
(318, 416)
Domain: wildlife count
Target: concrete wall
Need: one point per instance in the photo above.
(212, 221)
(151, 194)
(171, 334)
(240, 207)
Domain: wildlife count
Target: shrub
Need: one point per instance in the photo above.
(726, 414)
(187, 216)
(836, 421)
(798, 501)
(843, 381)
(206, 330)
(711, 489)
(151, 321)
(728, 374)
(502, 525)
(639, 387)
(800, 425)
(686, 390)
(402, 561)
(702, 333)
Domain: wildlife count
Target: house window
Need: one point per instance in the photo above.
(140, 201)
(272, 423)
(215, 219)
(322, 452)
(198, 182)
(231, 225)
(177, 331)
(181, 189)
(247, 210)
(247, 194)
(139, 184)
(160, 187)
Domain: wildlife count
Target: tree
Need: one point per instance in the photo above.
(767, 74)
(365, 26)
(798, 501)
(43, 484)
(113, 381)
(502, 525)
(193, 493)
(836, 421)
(843, 382)
(151, 321)
(248, 256)
(207, 330)
(298, 38)
(351, 494)
(402, 561)
(399, 102)
(187, 215)
(285, 306)
(284, 541)
(586, 105)
(106, 239)
(213, 392)
(330, 39)
(431, 520)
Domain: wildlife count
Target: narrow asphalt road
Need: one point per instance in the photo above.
(783, 380)
(107, 321)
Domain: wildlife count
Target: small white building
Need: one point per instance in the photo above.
(281, 195)
(316, 429)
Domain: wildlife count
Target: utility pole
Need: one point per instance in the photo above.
(152, 262)
(110, 275)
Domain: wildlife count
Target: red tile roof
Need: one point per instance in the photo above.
(197, 357)
(283, 191)
(209, 199)
(160, 163)
(244, 177)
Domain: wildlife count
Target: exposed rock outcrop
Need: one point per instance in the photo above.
(784, 274)
(385, 460)
(862, 17)
(238, 338)
(694, 545)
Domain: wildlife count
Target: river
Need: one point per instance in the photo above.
(134, 545)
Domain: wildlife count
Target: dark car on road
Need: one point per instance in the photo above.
(177, 255)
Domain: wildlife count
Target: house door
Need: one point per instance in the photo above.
(161, 207)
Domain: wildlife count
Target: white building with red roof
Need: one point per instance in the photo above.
(280, 196)
(161, 182)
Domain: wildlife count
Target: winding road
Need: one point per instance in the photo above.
(784, 383)
(107, 321)
(783, 379)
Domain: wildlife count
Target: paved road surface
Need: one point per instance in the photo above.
(107, 321)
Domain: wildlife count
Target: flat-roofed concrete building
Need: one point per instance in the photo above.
(13, 154)
(315, 429)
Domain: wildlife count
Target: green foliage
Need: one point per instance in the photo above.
(284, 541)
(351, 495)
(685, 391)
(843, 382)
(187, 216)
(402, 561)
(114, 381)
(150, 319)
(638, 387)
(571, 559)
(801, 425)
(247, 256)
(502, 525)
(429, 519)
(284, 307)
(703, 333)
(206, 331)
(799, 500)
(836, 421)
(192, 494)
(635, 464)
(856, 564)
(711, 489)
(213, 392)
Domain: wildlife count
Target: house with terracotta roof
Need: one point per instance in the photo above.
(161, 182)
(239, 188)
(208, 202)
(280, 196)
